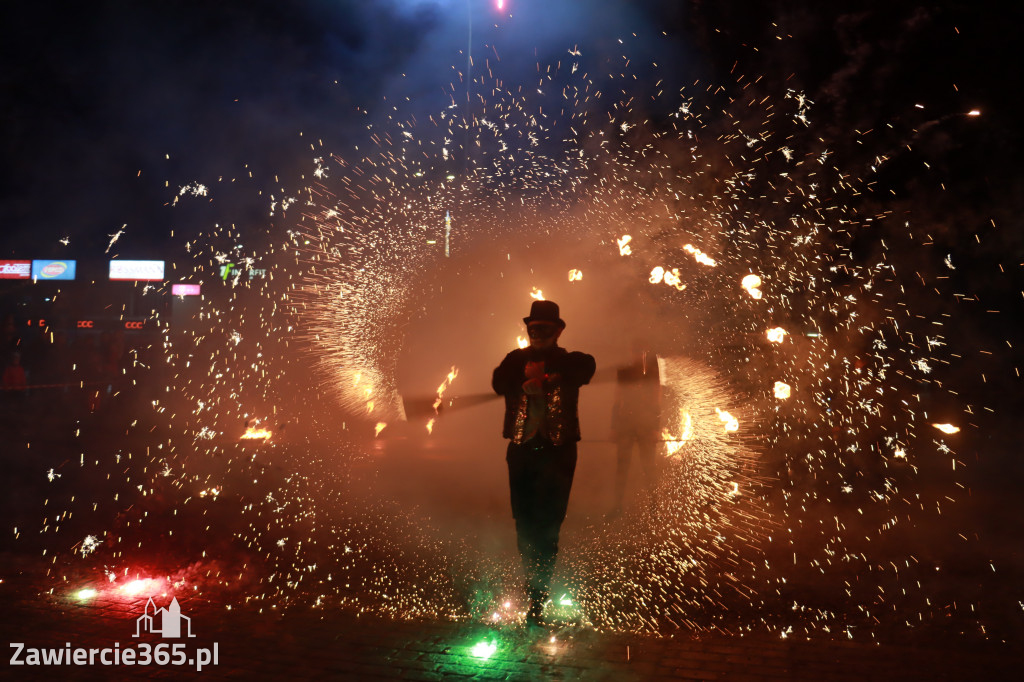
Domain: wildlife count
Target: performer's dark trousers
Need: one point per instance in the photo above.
(540, 478)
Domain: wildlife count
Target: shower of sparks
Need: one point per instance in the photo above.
(114, 237)
(313, 325)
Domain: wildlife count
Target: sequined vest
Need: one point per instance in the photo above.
(559, 416)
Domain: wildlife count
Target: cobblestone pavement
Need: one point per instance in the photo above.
(326, 644)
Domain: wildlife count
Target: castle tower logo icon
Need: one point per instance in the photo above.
(169, 617)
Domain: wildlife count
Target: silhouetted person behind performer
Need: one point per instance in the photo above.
(541, 387)
(636, 418)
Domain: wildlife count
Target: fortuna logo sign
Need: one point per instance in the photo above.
(54, 270)
(15, 269)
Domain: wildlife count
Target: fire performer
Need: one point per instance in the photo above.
(636, 418)
(541, 386)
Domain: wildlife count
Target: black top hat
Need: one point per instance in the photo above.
(544, 311)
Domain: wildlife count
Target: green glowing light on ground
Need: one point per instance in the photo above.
(565, 600)
(484, 649)
(87, 593)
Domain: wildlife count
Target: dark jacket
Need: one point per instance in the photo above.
(567, 371)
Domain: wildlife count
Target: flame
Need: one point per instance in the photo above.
(731, 423)
(673, 279)
(522, 341)
(673, 444)
(782, 390)
(140, 584)
(454, 372)
(776, 334)
(537, 294)
(947, 428)
(624, 249)
(252, 433)
(751, 284)
(575, 275)
(380, 427)
(699, 255)
(669, 277)
(900, 454)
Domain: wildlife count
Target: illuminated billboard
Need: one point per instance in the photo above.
(185, 289)
(15, 269)
(137, 270)
(53, 269)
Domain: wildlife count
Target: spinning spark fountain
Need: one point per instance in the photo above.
(793, 453)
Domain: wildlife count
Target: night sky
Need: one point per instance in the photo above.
(94, 93)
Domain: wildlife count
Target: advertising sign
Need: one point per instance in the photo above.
(15, 269)
(137, 270)
(185, 289)
(53, 269)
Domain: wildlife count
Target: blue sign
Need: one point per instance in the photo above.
(53, 269)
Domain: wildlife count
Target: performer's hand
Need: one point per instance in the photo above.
(533, 386)
(535, 370)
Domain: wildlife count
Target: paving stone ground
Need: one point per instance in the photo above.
(337, 645)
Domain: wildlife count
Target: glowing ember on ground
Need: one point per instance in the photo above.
(140, 585)
(483, 649)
